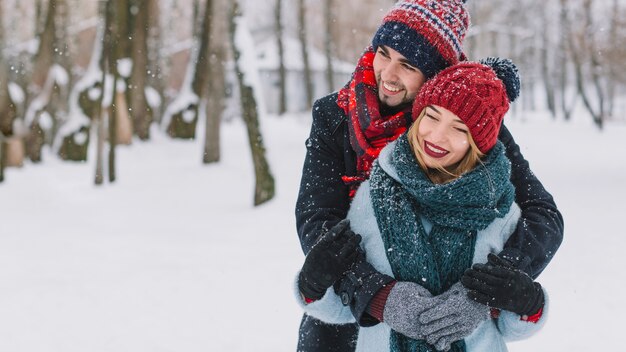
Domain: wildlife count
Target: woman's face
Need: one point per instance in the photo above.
(443, 137)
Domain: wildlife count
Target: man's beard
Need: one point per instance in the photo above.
(384, 98)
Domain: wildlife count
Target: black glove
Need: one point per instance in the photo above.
(328, 260)
(499, 284)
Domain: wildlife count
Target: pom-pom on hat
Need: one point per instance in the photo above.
(429, 33)
(477, 93)
(506, 70)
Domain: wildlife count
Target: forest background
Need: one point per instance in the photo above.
(104, 73)
(170, 227)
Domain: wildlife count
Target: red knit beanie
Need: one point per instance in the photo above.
(428, 33)
(476, 94)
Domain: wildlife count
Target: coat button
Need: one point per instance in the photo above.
(345, 299)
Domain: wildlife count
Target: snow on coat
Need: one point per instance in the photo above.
(489, 336)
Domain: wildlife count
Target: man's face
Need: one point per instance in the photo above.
(398, 82)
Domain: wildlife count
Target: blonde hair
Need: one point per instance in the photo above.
(442, 174)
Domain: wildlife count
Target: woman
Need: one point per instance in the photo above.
(438, 200)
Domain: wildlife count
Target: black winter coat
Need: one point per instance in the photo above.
(323, 201)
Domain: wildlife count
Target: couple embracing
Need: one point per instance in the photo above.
(422, 224)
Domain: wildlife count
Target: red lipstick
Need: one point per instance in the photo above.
(434, 151)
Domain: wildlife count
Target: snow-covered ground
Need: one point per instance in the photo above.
(174, 257)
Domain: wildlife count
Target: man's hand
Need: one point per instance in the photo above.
(500, 285)
(329, 258)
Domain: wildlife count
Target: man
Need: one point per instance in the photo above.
(417, 39)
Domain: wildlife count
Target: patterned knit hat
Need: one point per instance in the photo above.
(429, 33)
(477, 92)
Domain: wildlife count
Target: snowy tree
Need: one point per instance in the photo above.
(548, 62)
(49, 81)
(612, 67)
(53, 89)
(282, 74)
(72, 140)
(567, 97)
(570, 49)
(304, 45)
(328, 43)
(249, 83)
(7, 107)
(98, 110)
(587, 62)
(182, 115)
(217, 84)
(140, 111)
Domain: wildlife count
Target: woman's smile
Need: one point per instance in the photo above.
(434, 151)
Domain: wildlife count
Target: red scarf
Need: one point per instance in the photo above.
(369, 131)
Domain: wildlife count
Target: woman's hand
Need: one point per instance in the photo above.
(405, 303)
(499, 284)
(328, 260)
(455, 318)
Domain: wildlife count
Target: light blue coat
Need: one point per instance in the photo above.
(489, 336)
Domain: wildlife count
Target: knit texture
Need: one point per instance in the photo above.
(473, 92)
(376, 307)
(369, 130)
(457, 209)
(508, 73)
(428, 33)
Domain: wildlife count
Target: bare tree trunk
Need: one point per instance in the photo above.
(59, 102)
(156, 74)
(178, 127)
(100, 137)
(217, 84)
(136, 93)
(582, 44)
(302, 33)
(117, 47)
(121, 31)
(528, 83)
(565, 51)
(197, 18)
(546, 71)
(74, 144)
(113, 114)
(39, 17)
(47, 85)
(45, 53)
(8, 110)
(201, 78)
(123, 34)
(580, 85)
(264, 189)
(44, 59)
(282, 73)
(610, 106)
(2, 157)
(596, 66)
(7, 107)
(99, 111)
(5, 98)
(108, 63)
(328, 43)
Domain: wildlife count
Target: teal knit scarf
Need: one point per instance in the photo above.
(457, 210)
